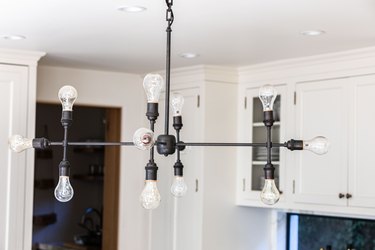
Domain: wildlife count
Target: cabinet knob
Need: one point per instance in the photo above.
(341, 195)
(348, 196)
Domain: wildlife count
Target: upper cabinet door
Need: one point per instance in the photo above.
(322, 109)
(362, 153)
(253, 160)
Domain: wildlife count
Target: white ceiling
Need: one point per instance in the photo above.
(94, 34)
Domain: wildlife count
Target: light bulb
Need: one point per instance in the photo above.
(177, 102)
(267, 95)
(319, 145)
(143, 138)
(64, 191)
(18, 143)
(67, 95)
(150, 196)
(153, 83)
(270, 194)
(179, 187)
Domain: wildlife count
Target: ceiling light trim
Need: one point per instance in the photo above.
(13, 37)
(132, 8)
(313, 32)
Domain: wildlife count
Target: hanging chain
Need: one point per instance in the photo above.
(169, 19)
(169, 13)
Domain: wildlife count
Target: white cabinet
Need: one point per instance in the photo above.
(361, 138)
(206, 217)
(252, 160)
(17, 108)
(172, 224)
(341, 110)
(322, 109)
(187, 211)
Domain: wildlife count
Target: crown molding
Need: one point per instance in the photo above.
(199, 74)
(20, 57)
(345, 62)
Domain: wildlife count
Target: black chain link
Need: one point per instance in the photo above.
(169, 13)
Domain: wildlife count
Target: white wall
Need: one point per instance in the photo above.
(111, 89)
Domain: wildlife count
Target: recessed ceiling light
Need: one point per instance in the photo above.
(132, 8)
(313, 32)
(13, 37)
(189, 55)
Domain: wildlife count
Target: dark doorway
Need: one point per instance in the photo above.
(90, 219)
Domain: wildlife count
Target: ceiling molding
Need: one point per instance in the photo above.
(21, 57)
(202, 73)
(345, 62)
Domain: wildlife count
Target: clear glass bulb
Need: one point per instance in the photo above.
(270, 195)
(319, 145)
(18, 143)
(150, 196)
(67, 95)
(153, 84)
(177, 102)
(64, 191)
(179, 187)
(267, 95)
(143, 138)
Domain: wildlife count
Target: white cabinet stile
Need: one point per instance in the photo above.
(361, 140)
(17, 107)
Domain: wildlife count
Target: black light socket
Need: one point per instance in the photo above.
(178, 169)
(66, 118)
(152, 111)
(269, 171)
(64, 168)
(294, 145)
(177, 122)
(41, 143)
(151, 171)
(268, 118)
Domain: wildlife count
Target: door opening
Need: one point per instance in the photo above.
(90, 219)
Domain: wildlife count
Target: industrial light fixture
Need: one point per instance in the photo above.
(166, 143)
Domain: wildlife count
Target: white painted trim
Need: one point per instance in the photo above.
(29, 178)
(202, 73)
(332, 65)
(23, 238)
(20, 57)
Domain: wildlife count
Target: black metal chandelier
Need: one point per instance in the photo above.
(166, 143)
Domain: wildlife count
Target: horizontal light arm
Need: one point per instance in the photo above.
(43, 143)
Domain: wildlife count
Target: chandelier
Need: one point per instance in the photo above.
(166, 143)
